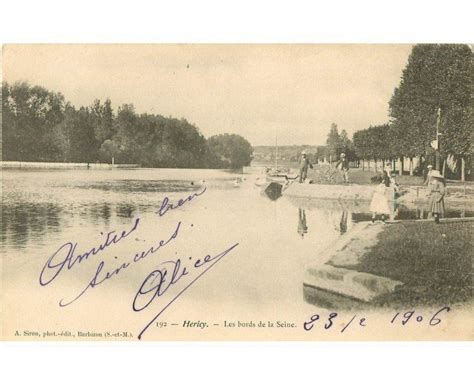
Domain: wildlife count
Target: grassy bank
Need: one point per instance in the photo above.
(359, 176)
(325, 174)
(434, 262)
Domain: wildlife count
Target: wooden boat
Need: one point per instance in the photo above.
(282, 176)
(276, 174)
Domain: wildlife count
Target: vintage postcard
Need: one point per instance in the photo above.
(237, 192)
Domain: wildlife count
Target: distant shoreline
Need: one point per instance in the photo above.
(58, 165)
(95, 166)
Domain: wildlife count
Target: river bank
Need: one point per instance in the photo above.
(410, 263)
(456, 196)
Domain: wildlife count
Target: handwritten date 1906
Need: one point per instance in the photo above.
(398, 318)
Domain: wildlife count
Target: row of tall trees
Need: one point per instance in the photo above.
(30, 116)
(436, 94)
(374, 144)
(436, 91)
(40, 125)
(336, 144)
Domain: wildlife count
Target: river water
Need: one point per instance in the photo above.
(261, 277)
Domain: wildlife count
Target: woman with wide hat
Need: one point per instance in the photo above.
(436, 192)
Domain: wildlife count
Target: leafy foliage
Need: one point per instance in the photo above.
(29, 116)
(336, 144)
(436, 77)
(373, 143)
(230, 150)
(39, 125)
(333, 142)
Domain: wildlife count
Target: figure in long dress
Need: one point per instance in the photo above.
(379, 204)
(436, 192)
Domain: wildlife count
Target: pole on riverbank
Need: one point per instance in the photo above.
(438, 148)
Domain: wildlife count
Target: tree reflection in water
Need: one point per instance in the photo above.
(25, 221)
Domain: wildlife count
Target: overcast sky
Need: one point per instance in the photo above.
(293, 92)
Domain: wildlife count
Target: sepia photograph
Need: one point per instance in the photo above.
(255, 192)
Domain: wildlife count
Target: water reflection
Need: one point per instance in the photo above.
(302, 225)
(39, 215)
(124, 210)
(403, 212)
(25, 221)
(100, 213)
(341, 225)
(273, 191)
(133, 186)
(29, 222)
(32, 210)
(343, 222)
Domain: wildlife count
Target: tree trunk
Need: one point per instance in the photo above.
(363, 164)
(113, 160)
(375, 163)
(411, 166)
(400, 167)
(463, 167)
(368, 164)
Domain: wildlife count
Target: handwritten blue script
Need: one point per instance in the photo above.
(166, 205)
(157, 283)
(65, 255)
(101, 276)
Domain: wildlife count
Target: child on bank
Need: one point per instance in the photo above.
(436, 192)
(379, 203)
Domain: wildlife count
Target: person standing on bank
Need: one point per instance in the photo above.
(304, 164)
(343, 163)
(388, 169)
(379, 204)
(428, 175)
(436, 192)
